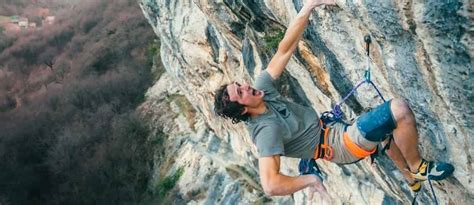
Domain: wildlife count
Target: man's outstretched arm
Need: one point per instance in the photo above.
(293, 34)
(274, 183)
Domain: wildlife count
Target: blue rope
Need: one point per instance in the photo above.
(414, 198)
(378, 91)
(337, 111)
(432, 191)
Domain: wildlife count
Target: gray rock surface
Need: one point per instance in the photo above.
(421, 51)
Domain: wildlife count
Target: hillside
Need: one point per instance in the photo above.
(69, 132)
(16, 7)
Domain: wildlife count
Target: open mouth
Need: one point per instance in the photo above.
(256, 92)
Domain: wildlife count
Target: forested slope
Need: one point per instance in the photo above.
(69, 132)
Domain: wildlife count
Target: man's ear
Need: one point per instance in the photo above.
(244, 111)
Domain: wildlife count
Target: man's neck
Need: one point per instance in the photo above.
(255, 112)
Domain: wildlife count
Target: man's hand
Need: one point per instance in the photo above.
(315, 3)
(318, 186)
(276, 184)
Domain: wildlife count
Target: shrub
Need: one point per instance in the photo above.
(273, 39)
(168, 183)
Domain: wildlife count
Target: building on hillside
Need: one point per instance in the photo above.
(23, 23)
(32, 25)
(49, 20)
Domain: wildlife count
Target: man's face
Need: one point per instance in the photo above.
(244, 95)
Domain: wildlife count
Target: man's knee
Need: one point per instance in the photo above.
(401, 111)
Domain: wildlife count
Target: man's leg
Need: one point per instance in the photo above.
(378, 123)
(393, 152)
(396, 116)
(393, 116)
(405, 135)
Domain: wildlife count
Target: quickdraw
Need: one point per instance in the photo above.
(337, 111)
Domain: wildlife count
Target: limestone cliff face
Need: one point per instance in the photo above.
(421, 51)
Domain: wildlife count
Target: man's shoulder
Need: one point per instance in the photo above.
(270, 125)
(264, 82)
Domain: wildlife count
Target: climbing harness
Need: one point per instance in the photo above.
(323, 150)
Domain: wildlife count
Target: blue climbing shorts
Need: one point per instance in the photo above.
(377, 124)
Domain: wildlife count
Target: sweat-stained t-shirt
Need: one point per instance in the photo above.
(286, 128)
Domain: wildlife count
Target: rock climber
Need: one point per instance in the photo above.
(282, 128)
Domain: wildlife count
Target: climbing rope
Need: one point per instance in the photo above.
(413, 202)
(337, 111)
(414, 198)
(432, 191)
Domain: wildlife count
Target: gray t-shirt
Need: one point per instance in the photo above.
(286, 128)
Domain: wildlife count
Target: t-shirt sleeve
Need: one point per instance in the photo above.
(269, 140)
(264, 82)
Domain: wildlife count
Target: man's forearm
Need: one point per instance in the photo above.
(288, 45)
(295, 30)
(284, 185)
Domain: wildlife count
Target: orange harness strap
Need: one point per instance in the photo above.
(323, 150)
(354, 149)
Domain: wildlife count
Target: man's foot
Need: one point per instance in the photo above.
(433, 170)
(415, 186)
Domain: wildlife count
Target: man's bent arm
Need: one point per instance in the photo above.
(288, 44)
(274, 183)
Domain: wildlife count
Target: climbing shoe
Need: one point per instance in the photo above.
(415, 186)
(309, 166)
(433, 170)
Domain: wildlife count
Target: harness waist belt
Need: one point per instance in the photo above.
(324, 151)
(355, 149)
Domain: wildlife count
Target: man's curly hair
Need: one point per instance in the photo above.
(228, 109)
